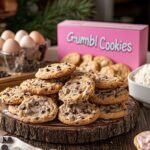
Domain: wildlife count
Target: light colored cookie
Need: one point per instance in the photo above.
(80, 72)
(110, 96)
(87, 58)
(141, 141)
(13, 96)
(41, 87)
(114, 111)
(107, 82)
(121, 70)
(77, 90)
(55, 70)
(13, 109)
(37, 109)
(108, 70)
(103, 61)
(72, 58)
(78, 114)
(90, 66)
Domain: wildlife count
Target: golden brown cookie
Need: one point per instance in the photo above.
(103, 61)
(141, 141)
(108, 70)
(110, 96)
(13, 96)
(90, 66)
(78, 114)
(37, 109)
(87, 58)
(77, 90)
(55, 70)
(114, 111)
(72, 58)
(107, 82)
(41, 87)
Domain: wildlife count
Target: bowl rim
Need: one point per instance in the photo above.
(131, 74)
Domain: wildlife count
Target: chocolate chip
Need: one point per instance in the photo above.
(4, 140)
(29, 112)
(23, 107)
(4, 147)
(88, 83)
(58, 68)
(36, 118)
(48, 109)
(43, 111)
(80, 91)
(66, 113)
(9, 140)
(36, 103)
(47, 70)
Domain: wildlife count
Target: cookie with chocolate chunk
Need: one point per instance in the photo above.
(72, 58)
(110, 96)
(108, 70)
(78, 114)
(103, 81)
(55, 70)
(13, 96)
(90, 66)
(114, 111)
(37, 109)
(103, 61)
(41, 87)
(77, 90)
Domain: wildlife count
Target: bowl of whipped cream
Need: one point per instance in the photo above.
(139, 84)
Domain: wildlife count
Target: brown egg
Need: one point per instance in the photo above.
(20, 34)
(7, 34)
(11, 46)
(27, 42)
(37, 37)
(1, 43)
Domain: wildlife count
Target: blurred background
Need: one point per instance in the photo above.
(44, 15)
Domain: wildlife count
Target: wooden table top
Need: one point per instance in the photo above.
(122, 142)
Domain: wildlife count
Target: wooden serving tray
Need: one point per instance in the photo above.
(56, 132)
(15, 79)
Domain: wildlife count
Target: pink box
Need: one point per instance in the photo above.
(123, 43)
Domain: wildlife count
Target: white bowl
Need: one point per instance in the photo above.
(139, 92)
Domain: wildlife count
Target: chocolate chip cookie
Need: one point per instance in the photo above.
(114, 111)
(77, 90)
(103, 61)
(90, 66)
(87, 58)
(103, 81)
(78, 114)
(13, 96)
(37, 109)
(110, 96)
(72, 58)
(55, 70)
(41, 87)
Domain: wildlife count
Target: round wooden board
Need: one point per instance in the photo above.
(56, 132)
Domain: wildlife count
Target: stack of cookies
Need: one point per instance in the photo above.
(79, 90)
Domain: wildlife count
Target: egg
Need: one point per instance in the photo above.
(20, 34)
(27, 42)
(1, 43)
(11, 46)
(7, 34)
(37, 37)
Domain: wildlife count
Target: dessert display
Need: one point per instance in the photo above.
(22, 51)
(142, 140)
(73, 94)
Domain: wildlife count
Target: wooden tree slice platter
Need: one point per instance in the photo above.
(56, 132)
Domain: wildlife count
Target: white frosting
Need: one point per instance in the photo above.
(142, 76)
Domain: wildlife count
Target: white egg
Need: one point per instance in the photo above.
(7, 34)
(1, 43)
(27, 42)
(20, 34)
(11, 46)
(37, 37)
